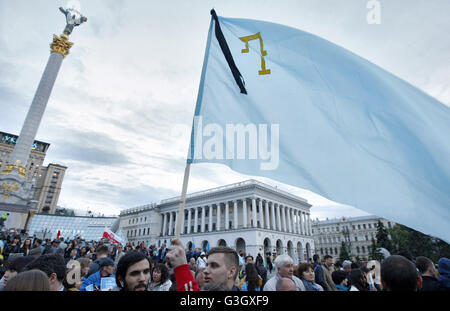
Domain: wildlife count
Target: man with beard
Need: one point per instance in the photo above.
(133, 272)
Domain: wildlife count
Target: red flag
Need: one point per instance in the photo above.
(59, 233)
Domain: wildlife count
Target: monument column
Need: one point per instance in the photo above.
(19, 191)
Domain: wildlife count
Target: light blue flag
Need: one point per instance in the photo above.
(301, 110)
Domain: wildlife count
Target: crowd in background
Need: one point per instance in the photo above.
(29, 263)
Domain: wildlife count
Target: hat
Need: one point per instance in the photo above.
(202, 254)
(103, 262)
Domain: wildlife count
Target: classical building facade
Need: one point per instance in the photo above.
(35, 161)
(249, 216)
(356, 232)
(46, 180)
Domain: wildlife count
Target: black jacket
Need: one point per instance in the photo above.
(431, 284)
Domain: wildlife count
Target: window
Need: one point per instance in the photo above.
(363, 249)
(321, 251)
(331, 251)
(356, 238)
(359, 227)
(364, 226)
(335, 250)
(370, 226)
(357, 249)
(367, 238)
(354, 228)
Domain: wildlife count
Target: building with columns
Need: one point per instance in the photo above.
(249, 216)
(355, 232)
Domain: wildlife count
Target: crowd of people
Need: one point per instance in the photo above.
(78, 265)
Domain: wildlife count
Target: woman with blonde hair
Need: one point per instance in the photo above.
(33, 280)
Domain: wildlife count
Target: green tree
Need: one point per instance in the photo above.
(418, 244)
(374, 253)
(383, 237)
(344, 254)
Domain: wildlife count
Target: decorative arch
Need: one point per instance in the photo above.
(279, 247)
(240, 245)
(221, 242)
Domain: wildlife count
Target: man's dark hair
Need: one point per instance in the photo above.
(423, 264)
(338, 276)
(124, 263)
(327, 256)
(102, 249)
(230, 255)
(249, 256)
(39, 241)
(354, 265)
(49, 263)
(316, 257)
(18, 264)
(399, 274)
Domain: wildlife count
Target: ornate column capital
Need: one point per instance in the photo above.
(61, 45)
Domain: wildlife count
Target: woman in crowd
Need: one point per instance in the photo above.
(251, 282)
(305, 272)
(160, 279)
(33, 280)
(25, 249)
(358, 281)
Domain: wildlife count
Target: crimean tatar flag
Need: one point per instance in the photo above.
(281, 103)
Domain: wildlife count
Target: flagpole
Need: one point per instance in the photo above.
(182, 201)
(188, 163)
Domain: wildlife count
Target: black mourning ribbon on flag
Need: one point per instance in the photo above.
(226, 52)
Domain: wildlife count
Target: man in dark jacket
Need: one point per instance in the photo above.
(102, 252)
(262, 271)
(318, 272)
(429, 274)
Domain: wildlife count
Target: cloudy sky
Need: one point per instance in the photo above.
(120, 113)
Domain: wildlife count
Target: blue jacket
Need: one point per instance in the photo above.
(444, 272)
(319, 277)
(93, 279)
